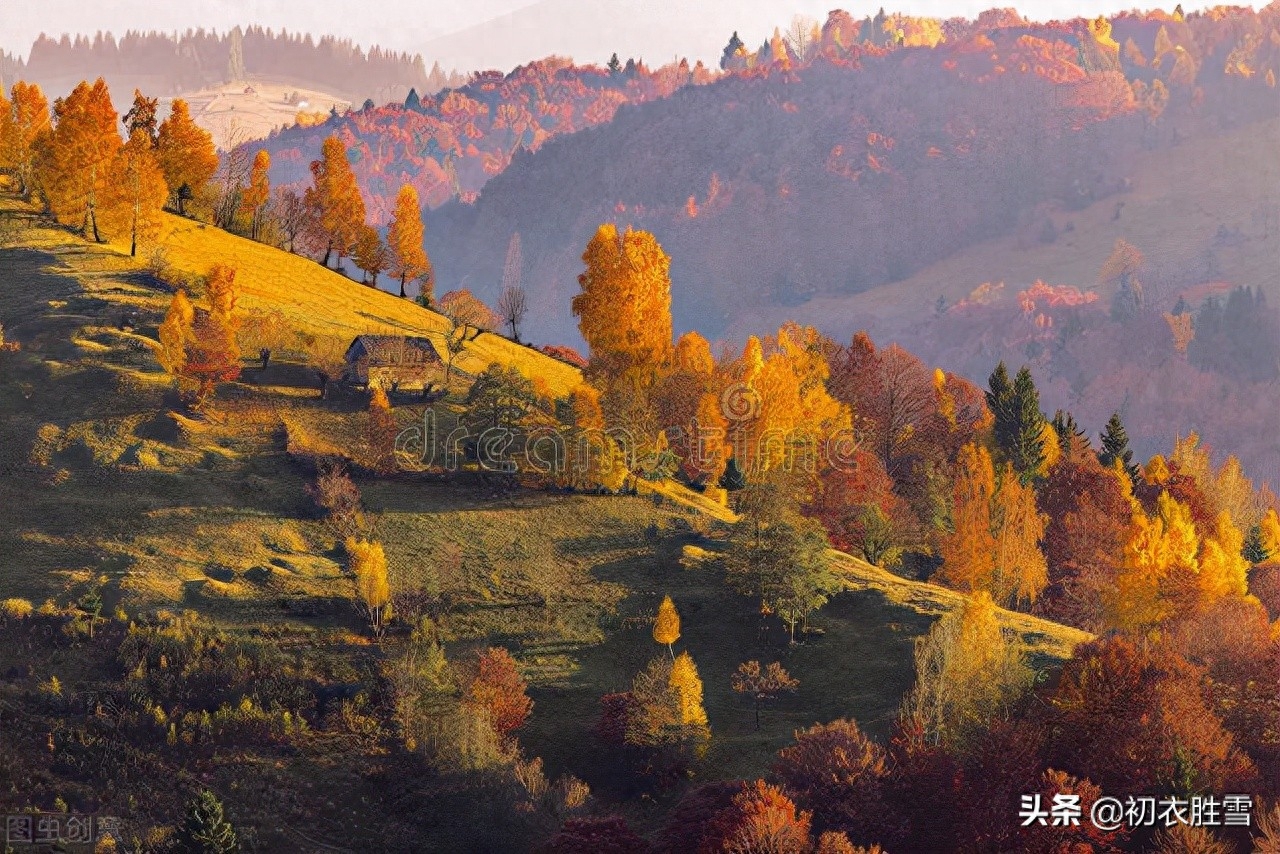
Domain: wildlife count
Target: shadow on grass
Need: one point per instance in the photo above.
(858, 667)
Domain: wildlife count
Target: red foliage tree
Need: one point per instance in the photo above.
(838, 773)
(1136, 719)
(499, 689)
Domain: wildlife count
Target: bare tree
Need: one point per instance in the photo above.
(467, 318)
(802, 37)
(290, 213)
(513, 306)
(231, 177)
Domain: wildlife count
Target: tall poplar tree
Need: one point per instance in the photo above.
(187, 155)
(258, 192)
(404, 240)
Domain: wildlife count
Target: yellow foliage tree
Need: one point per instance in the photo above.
(1159, 573)
(967, 674)
(186, 153)
(1021, 573)
(336, 195)
(135, 198)
(624, 308)
(382, 430)
(175, 334)
(368, 564)
(1156, 471)
(1183, 330)
(74, 162)
(666, 628)
(1224, 571)
(687, 688)
(1270, 533)
(20, 126)
(968, 550)
(404, 241)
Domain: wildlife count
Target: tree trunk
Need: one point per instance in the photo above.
(757, 713)
(328, 250)
(402, 293)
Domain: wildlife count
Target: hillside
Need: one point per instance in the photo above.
(326, 303)
(778, 187)
(163, 513)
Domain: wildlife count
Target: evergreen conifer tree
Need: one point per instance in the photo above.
(205, 830)
(1115, 446)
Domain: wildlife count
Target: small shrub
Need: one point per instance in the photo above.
(16, 609)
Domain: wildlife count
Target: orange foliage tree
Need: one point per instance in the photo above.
(404, 241)
(968, 550)
(255, 196)
(763, 818)
(1134, 718)
(335, 194)
(135, 198)
(624, 311)
(499, 690)
(74, 163)
(25, 120)
(186, 153)
(840, 774)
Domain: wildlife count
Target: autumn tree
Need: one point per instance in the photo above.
(763, 818)
(367, 563)
(1021, 573)
(336, 195)
(1120, 270)
(968, 550)
(967, 675)
(176, 334)
(839, 773)
(666, 627)
(624, 308)
(408, 259)
(371, 255)
(513, 305)
(26, 120)
(76, 158)
(187, 156)
(497, 688)
(255, 197)
(590, 835)
(142, 116)
(665, 704)
(467, 317)
(382, 430)
(135, 198)
(761, 684)
(1134, 716)
(214, 354)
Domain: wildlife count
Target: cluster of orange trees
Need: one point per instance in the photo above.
(88, 177)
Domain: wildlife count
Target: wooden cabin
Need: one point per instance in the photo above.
(392, 361)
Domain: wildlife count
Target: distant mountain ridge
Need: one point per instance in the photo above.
(164, 64)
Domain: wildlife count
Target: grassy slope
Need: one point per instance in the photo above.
(327, 303)
(1180, 196)
(211, 515)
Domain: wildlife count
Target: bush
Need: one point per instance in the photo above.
(16, 609)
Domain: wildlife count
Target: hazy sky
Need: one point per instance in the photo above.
(492, 33)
